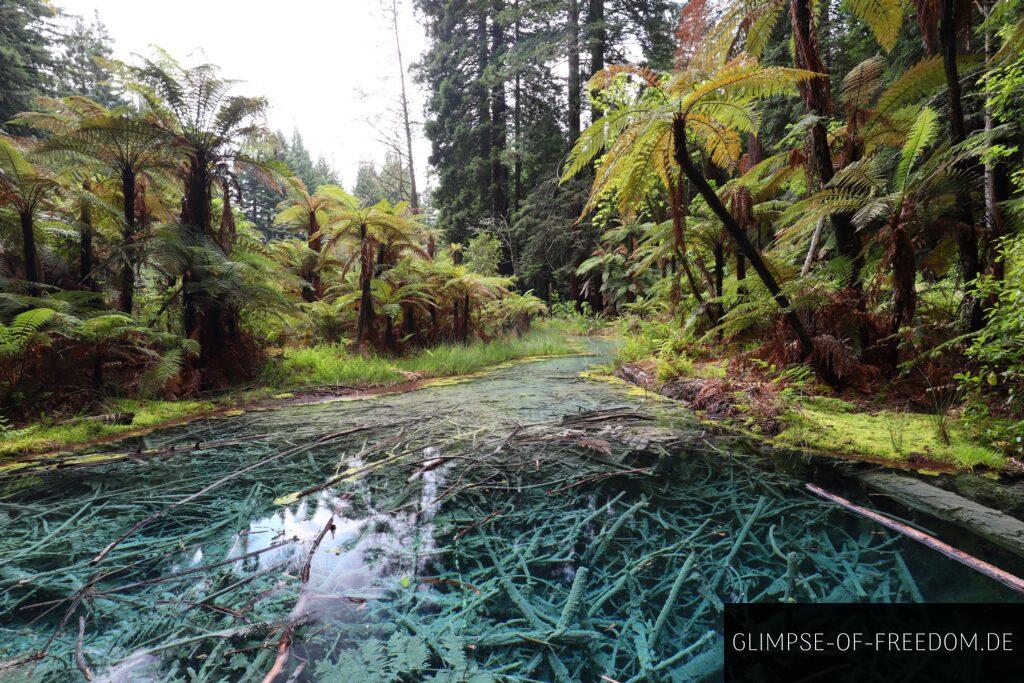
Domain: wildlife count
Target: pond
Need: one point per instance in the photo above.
(522, 525)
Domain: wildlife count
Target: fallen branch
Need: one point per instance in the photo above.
(346, 474)
(1003, 577)
(284, 645)
(220, 482)
(79, 655)
(312, 550)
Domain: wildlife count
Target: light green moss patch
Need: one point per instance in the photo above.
(713, 369)
(43, 436)
(832, 425)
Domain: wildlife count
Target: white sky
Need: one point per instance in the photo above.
(327, 66)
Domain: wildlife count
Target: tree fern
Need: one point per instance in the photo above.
(883, 17)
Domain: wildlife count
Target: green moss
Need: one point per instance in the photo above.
(43, 436)
(832, 425)
(715, 369)
(828, 404)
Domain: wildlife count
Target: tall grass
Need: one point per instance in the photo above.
(329, 364)
(337, 365)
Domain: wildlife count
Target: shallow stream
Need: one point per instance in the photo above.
(523, 525)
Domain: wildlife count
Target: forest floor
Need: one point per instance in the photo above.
(295, 376)
(853, 426)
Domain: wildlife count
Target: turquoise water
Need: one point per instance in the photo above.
(502, 528)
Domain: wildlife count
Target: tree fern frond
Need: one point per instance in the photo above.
(862, 82)
(922, 133)
(883, 17)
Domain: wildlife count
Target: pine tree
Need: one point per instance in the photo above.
(26, 64)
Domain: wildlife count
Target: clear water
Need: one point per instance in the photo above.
(487, 546)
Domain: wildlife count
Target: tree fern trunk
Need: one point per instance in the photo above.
(904, 294)
(364, 329)
(313, 291)
(28, 244)
(85, 244)
(967, 236)
(128, 241)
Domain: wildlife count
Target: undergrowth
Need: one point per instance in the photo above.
(786, 404)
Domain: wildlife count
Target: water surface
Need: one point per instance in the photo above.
(501, 528)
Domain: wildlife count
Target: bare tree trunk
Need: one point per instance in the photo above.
(517, 122)
(414, 200)
(597, 37)
(817, 97)
(719, 253)
(484, 177)
(575, 85)
(812, 250)
(499, 109)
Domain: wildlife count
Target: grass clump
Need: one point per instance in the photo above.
(830, 424)
(329, 364)
(447, 360)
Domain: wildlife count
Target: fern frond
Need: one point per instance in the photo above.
(883, 17)
(922, 133)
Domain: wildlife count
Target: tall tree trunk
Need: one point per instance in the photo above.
(682, 157)
(414, 199)
(365, 326)
(597, 37)
(817, 96)
(575, 86)
(85, 243)
(128, 241)
(967, 236)
(517, 123)
(499, 109)
(28, 244)
(484, 177)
